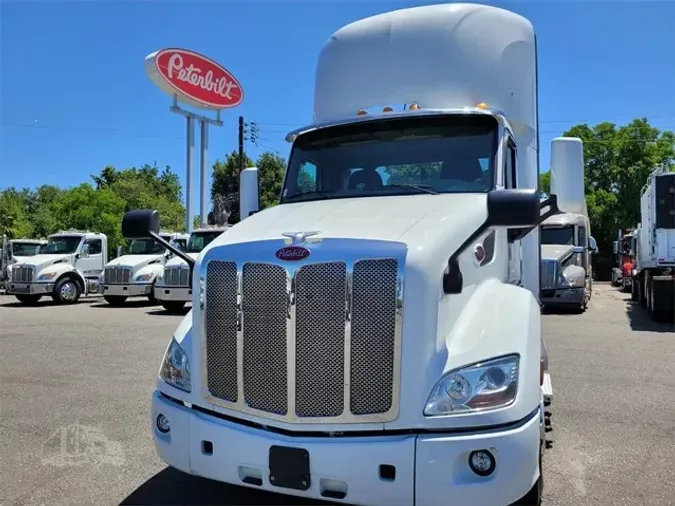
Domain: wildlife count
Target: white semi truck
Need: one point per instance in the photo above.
(15, 251)
(653, 247)
(173, 288)
(134, 273)
(566, 243)
(70, 268)
(375, 338)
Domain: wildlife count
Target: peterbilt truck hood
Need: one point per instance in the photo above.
(413, 219)
(556, 251)
(42, 261)
(178, 261)
(134, 261)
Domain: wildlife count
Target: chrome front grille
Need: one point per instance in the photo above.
(316, 344)
(117, 275)
(22, 274)
(548, 274)
(176, 276)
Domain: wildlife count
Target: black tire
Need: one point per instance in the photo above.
(28, 300)
(151, 296)
(173, 306)
(634, 295)
(115, 300)
(67, 291)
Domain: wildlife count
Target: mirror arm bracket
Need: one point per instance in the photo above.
(452, 280)
(172, 248)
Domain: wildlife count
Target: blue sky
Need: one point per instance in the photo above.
(74, 96)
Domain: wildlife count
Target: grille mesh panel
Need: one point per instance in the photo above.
(22, 274)
(265, 312)
(117, 275)
(373, 336)
(221, 329)
(320, 338)
(548, 274)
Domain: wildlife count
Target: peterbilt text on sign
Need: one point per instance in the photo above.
(195, 79)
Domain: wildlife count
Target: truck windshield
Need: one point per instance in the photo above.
(557, 235)
(63, 245)
(398, 156)
(145, 247)
(25, 249)
(199, 241)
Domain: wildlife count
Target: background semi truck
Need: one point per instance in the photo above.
(13, 251)
(173, 287)
(70, 268)
(566, 243)
(338, 347)
(134, 273)
(653, 244)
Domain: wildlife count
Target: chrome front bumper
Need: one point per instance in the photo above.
(173, 293)
(563, 296)
(128, 290)
(29, 288)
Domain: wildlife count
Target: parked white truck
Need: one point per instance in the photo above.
(134, 273)
(172, 287)
(375, 338)
(14, 251)
(70, 267)
(653, 247)
(566, 243)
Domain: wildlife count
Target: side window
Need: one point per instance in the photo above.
(95, 246)
(510, 165)
(307, 177)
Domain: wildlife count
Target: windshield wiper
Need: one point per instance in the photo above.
(304, 194)
(419, 187)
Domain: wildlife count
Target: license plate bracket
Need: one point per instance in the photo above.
(289, 467)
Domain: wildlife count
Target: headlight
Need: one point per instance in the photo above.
(144, 277)
(175, 368)
(570, 283)
(479, 387)
(46, 276)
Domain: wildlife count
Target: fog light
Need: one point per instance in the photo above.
(163, 424)
(482, 462)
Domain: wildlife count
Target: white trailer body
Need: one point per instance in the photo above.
(173, 287)
(338, 347)
(654, 264)
(70, 268)
(134, 274)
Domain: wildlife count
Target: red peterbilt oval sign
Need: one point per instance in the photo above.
(292, 253)
(194, 78)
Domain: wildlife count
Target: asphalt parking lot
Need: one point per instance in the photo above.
(76, 383)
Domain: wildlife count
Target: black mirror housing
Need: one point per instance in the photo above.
(515, 208)
(140, 224)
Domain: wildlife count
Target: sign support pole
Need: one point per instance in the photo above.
(203, 208)
(188, 178)
(204, 122)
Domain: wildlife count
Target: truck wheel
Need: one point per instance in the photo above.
(634, 291)
(115, 300)
(152, 297)
(173, 306)
(66, 291)
(28, 300)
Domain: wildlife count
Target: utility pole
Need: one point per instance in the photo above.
(241, 144)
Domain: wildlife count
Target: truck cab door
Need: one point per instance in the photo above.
(90, 261)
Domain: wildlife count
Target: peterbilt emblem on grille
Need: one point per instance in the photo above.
(292, 253)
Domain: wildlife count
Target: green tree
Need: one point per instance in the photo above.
(271, 170)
